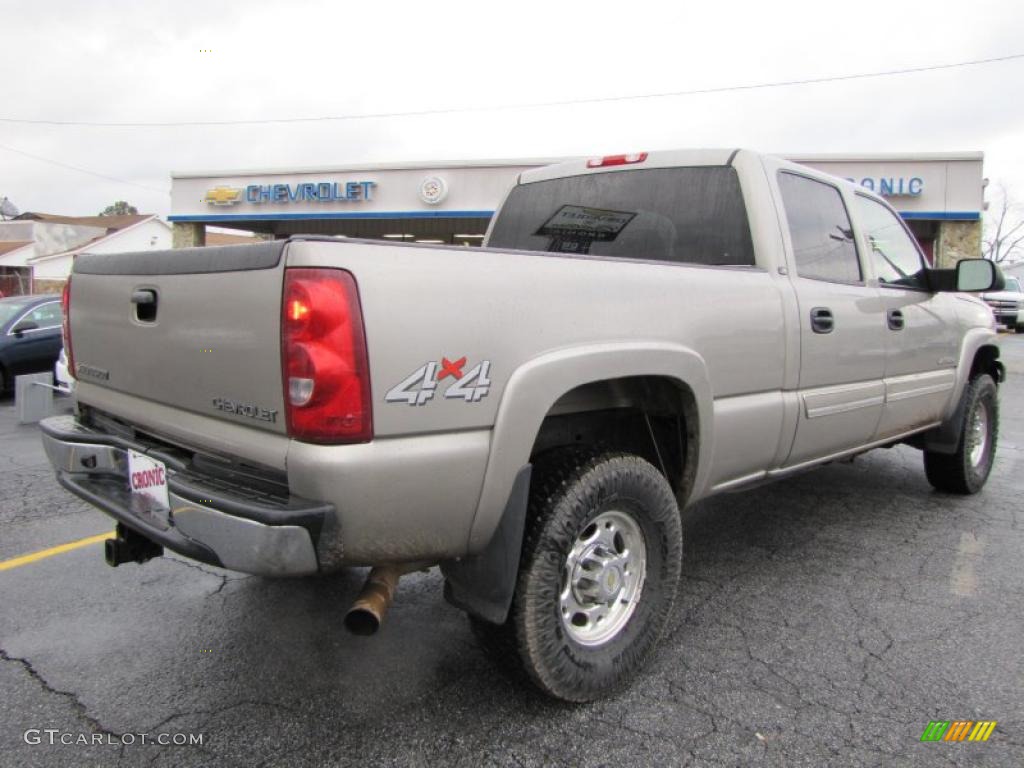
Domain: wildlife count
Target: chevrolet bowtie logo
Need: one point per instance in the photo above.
(223, 195)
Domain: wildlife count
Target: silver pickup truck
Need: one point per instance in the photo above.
(638, 333)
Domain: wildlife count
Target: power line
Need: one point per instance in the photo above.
(526, 105)
(82, 170)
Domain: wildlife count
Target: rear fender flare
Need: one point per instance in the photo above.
(535, 387)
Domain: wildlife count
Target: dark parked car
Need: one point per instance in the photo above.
(30, 336)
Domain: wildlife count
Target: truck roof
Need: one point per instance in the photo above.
(667, 158)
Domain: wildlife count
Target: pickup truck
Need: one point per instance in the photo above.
(1007, 305)
(638, 333)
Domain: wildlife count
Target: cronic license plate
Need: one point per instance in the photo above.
(148, 481)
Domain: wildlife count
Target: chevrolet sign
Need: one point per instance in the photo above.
(223, 195)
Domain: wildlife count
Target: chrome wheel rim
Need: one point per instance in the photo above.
(603, 579)
(977, 434)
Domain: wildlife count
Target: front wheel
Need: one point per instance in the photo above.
(600, 566)
(967, 470)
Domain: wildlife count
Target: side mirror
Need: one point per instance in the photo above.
(979, 275)
(24, 325)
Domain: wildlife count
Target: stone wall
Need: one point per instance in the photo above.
(47, 286)
(187, 234)
(957, 240)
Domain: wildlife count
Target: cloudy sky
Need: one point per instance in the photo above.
(174, 61)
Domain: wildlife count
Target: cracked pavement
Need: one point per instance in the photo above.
(823, 620)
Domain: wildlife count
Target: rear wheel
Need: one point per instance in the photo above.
(598, 575)
(967, 470)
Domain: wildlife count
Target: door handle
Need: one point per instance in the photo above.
(822, 320)
(895, 320)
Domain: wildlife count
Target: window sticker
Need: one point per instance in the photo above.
(573, 228)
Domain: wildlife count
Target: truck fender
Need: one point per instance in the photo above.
(946, 437)
(535, 387)
(483, 583)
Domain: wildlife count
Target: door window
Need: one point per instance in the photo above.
(46, 316)
(820, 229)
(894, 254)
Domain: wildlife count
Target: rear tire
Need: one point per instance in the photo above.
(966, 471)
(601, 562)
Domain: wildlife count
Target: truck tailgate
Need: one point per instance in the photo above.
(212, 345)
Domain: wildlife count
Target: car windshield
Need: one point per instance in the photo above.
(1012, 284)
(11, 308)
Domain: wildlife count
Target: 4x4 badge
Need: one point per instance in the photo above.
(420, 386)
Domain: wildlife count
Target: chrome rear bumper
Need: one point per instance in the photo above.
(208, 520)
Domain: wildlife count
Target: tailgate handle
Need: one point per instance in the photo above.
(144, 300)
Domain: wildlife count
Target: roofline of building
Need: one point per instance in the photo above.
(516, 162)
(882, 157)
(366, 167)
(97, 241)
(29, 244)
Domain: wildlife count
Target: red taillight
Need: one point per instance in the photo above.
(65, 308)
(323, 357)
(604, 162)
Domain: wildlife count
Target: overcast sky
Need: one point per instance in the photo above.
(178, 60)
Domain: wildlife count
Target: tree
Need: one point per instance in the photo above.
(8, 210)
(120, 208)
(1004, 231)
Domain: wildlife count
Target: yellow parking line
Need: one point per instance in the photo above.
(6, 565)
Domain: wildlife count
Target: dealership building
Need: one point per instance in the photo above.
(940, 195)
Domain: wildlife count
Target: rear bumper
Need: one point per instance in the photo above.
(209, 521)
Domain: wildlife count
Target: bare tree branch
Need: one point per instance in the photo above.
(1002, 242)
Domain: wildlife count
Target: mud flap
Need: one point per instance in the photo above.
(945, 438)
(483, 584)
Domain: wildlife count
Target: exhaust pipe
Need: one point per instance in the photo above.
(368, 611)
(129, 547)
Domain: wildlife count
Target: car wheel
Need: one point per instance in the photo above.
(966, 470)
(600, 566)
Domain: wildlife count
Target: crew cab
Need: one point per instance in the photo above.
(639, 332)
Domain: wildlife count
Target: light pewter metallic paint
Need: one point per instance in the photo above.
(770, 396)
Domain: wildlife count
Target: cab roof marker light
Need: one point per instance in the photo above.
(611, 160)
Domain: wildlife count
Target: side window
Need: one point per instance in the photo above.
(895, 255)
(46, 316)
(819, 226)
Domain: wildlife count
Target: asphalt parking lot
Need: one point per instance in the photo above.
(824, 620)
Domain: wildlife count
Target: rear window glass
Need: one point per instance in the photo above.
(687, 215)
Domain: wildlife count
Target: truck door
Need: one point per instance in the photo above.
(841, 392)
(921, 327)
